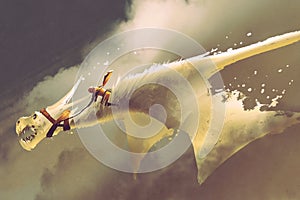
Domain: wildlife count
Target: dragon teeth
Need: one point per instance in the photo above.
(30, 137)
(25, 140)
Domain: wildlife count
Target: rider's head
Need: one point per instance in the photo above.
(92, 90)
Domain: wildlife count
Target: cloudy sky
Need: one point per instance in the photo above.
(43, 42)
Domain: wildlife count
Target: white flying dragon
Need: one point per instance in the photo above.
(239, 129)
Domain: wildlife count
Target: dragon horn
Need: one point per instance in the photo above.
(67, 98)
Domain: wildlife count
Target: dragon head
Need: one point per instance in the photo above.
(32, 129)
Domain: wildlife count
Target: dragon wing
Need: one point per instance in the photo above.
(231, 138)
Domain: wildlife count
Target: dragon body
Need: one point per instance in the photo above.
(135, 95)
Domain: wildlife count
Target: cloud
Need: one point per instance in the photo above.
(167, 14)
(198, 19)
(75, 173)
(77, 176)
(51, 89)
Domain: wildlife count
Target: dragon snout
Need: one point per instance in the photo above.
(19, 126)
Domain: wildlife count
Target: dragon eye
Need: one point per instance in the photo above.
(34, 116)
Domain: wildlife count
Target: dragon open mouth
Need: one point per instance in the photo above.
(27, 134)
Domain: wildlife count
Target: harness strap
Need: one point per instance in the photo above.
(47, 115)
(64, 117)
